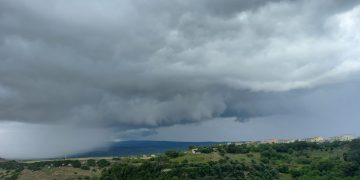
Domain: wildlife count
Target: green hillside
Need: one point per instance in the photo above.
(298, 160)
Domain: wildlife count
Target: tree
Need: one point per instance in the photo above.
(103, 163)
(354, 152)
(283, 169)
(76, 164)
(231, 148)
(91, 162)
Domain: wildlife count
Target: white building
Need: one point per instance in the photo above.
(275, 141)
(194, 151)
(342, 138)
(315, 139)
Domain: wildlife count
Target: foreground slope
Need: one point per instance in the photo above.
(298, 160)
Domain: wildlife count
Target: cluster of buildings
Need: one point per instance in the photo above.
(316, 139)
(273, 141)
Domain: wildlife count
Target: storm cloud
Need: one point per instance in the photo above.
(128, 65)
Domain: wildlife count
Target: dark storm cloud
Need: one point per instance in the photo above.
(323, 111)
(139, 63)
(145, 64)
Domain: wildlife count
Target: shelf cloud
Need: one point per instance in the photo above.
(128, 65)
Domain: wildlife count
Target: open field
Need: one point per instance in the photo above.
(61, 173)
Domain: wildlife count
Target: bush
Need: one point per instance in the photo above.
(103, 163)
(284, 169)
(172, 153)
(91, 162)
(76, 163)
(295, 173)
(205, 149)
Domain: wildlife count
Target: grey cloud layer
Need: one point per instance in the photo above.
(146, 64)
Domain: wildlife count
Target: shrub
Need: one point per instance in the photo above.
(76, 164)
(284, 169)
(103, 163)
(172, 153)
(295, 173)
(91, 162)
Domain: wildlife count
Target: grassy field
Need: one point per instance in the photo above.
(296, 160)
(60, 173)
(197, 158)
(67, 172)
(249, 157)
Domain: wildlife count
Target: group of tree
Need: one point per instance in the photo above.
(163, 168)
(297, 160)
(347, 167)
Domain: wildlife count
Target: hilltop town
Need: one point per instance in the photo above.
(316, 139)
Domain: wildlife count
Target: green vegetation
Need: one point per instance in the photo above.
(172, 154)
(103, 163)
(11, 170)
(91, 162)
(164, 168)
(298, 160)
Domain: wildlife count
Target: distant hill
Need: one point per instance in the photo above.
(125, 148)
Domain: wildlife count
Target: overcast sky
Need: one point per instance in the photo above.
(79, 74)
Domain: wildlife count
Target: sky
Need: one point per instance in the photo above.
(80, 74)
